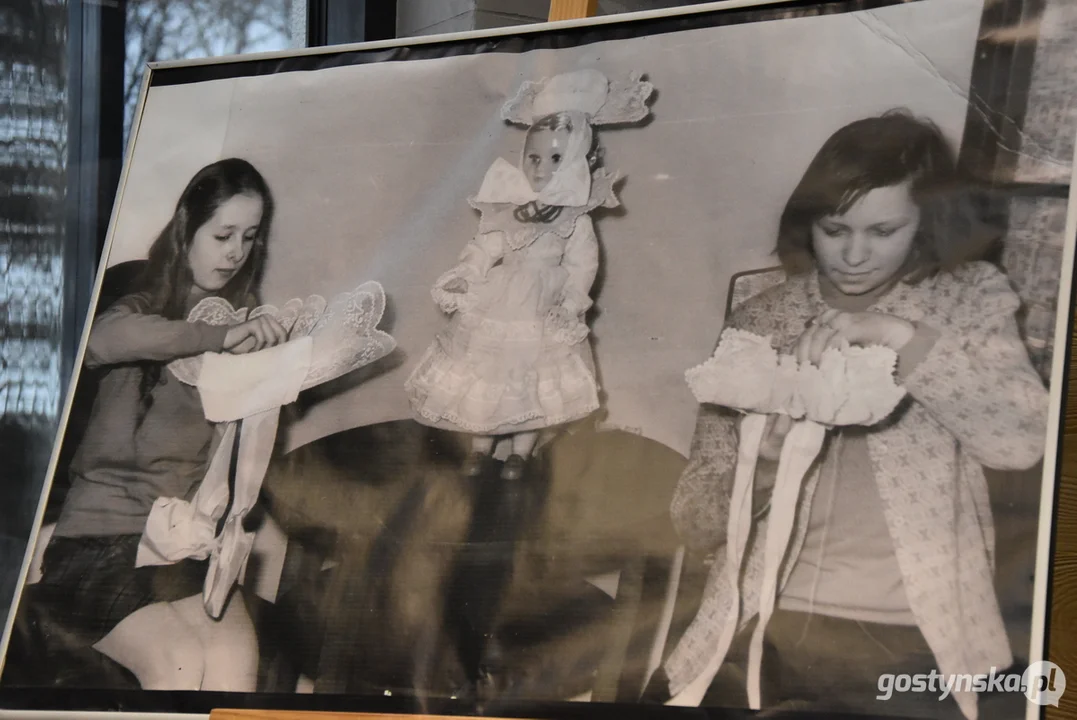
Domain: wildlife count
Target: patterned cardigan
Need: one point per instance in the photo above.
(975, 400)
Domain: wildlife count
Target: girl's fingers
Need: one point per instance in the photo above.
(266, 332)
(246, 346)
(836, 340)
(843, 321)
(803, 349)
(828, 317)
(818, 342)
(810, 346)
(821, 342)
(277, 331)
(239, 338)
(242, 342)
(259, 334)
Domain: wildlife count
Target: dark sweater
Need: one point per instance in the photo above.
(122, 466)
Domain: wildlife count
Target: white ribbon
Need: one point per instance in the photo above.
(177, 529)
(801, 446)
(752, 429)
(252, 388)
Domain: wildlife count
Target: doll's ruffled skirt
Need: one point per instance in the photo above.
(501, 377)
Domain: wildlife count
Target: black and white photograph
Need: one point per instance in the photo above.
(701, 358)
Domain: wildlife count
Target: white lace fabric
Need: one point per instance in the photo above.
(326, 341)
(588, 91)
(850, 386)
(344, 332)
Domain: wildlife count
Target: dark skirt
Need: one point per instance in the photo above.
(90, 584)
(830, 665)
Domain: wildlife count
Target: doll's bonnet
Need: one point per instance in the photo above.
(588, 98)
(588, 92)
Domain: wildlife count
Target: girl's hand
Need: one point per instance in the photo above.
(254, 335)
(456, 285)
(834, 327)
(777, 428)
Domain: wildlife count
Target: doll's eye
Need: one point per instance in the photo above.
(556, 157)
(535, 159)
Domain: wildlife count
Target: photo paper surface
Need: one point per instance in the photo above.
(690, 360)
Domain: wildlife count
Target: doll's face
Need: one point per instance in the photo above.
(543, 152)
(864, 248)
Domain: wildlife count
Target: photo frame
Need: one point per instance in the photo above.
(368, 584)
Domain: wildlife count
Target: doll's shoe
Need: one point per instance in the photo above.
(514, 468)
(475, 464)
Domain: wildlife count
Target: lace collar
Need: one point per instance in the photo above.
(501, 216)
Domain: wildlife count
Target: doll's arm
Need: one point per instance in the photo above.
(978, 382)
(453, 290)
(580, 261)
(126, 332)
(564, 321)
(479, 256)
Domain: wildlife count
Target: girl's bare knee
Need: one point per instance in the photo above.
(175, 664)
(231, 652)
(231, 666)
(158, 648)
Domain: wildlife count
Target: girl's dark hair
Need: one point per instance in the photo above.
(881, 152)
(167, 278)
(532, 211)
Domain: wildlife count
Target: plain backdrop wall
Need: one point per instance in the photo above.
(371, 167)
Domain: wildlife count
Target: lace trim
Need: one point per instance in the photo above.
(565, 326)
(625, 102)
(344, 331)
(509, 330)
(499, 217)
(850, 386)
(442, 389)
(452, 302)
(548, 421)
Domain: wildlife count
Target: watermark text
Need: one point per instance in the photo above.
(1042, 683)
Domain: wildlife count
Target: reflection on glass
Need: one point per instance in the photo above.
(33, 163)
(160, 30)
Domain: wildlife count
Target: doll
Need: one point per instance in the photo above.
(514, 357)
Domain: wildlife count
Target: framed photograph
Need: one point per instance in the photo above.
(702, 357)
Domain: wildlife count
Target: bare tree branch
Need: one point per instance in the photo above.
(189, 29)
